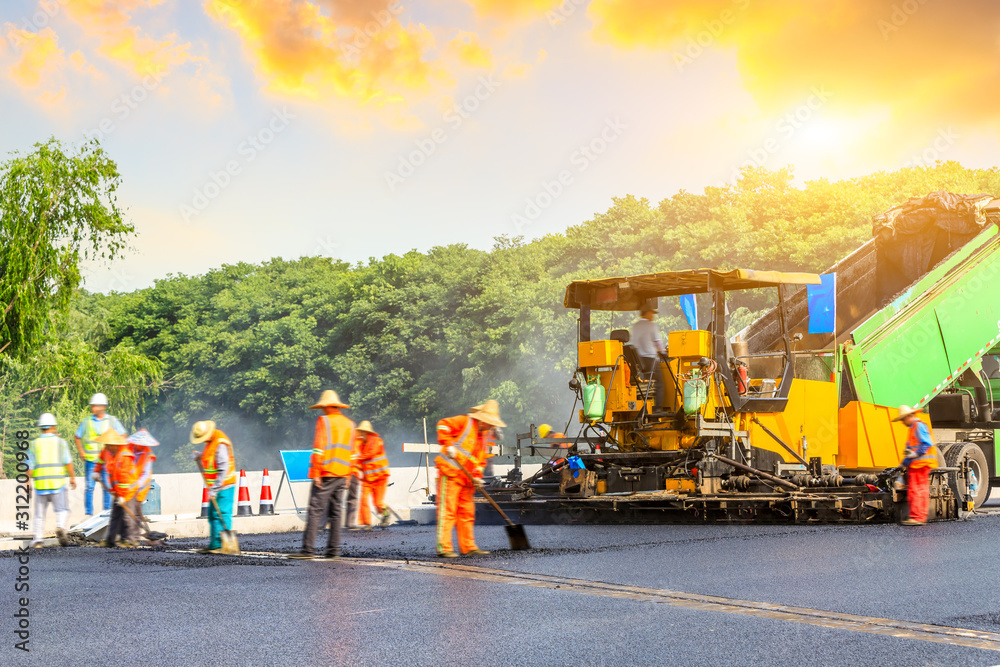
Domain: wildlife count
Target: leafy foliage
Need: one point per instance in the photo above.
(54, 209)
(430, 334)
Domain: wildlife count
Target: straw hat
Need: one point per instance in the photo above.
(488, 412)
(329, 399)
(202, 431)
(365, 427)
(904, 412)
(112, 437)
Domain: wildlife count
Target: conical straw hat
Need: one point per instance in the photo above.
(365, 427)
(329, 399)
(112, 437)
(202, 431)
(488, 412)
(904, 412)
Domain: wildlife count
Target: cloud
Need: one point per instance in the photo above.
(112, 22)
(470, 51)
(932, 59)
(40, 56)
(515, 8)
(359, 51)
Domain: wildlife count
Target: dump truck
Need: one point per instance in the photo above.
(777, 424)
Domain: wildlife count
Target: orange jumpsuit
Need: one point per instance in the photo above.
(455, 491)
(375, 468)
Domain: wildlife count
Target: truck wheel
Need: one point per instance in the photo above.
(953, 457)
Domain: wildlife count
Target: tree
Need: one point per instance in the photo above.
(55, 209)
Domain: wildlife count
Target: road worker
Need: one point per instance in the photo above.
(645, 337)
(919, 459)
(355, 485)
(329, 469)
(142, 444)
(464, 441)
(217, 463)
(375, 468)
(90, 450)
(50, 464)
(118, 467)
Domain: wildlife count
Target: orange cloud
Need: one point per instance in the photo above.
(517, 8)
(935, 59)
(358, 51)
(40, 56)
(470, 51)
(112, 22)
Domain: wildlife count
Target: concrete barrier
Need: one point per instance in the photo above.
(180, 495)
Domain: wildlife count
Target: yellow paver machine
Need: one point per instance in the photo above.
(774, 423)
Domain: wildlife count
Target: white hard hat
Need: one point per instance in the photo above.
(47, 420)
(99, 399)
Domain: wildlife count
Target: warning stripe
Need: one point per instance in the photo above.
(955, 373)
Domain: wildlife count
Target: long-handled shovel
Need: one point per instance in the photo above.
(230, 545)
(515, 531)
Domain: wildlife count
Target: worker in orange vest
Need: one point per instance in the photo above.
(142, 444)
(919, 459)
(464, 441)
(329, 468)
(116, 466)
(375, 468)
(355, 485)
(218, 466)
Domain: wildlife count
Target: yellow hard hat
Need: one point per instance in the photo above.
(544, 430)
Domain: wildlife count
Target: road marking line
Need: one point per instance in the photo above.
(940, 634)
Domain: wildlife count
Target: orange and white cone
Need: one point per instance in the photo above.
(243, 502)
(204, 503)
(266, 502)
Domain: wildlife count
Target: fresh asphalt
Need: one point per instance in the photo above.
(90, 605)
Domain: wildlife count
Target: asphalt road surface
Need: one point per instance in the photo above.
(593, 595)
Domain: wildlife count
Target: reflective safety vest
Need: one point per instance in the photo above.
(103, 467)
(333, 448)
(124, 474)
(144, 462)
(208, 461)
(374, 462)
(929, 458)
(95, 429)
(461, 433)
(49, 472)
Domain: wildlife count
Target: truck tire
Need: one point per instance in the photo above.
(953, 456)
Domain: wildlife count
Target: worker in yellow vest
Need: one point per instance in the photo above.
(50, 465)
(329, 468)
(218, 465)
(87, 433)
(375, 468)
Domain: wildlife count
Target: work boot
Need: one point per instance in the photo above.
(108, 544)
(208, 550)
(301, 555)
(329, 555)
(477, 552)
(353, 527)
(385, 518)
(63, 540)
(448, 554)
(911, 522)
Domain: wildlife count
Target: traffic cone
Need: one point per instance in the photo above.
(204, 503)
(243, 502)
(266, 502)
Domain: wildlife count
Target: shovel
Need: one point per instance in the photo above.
(515, 531)
(230, 545)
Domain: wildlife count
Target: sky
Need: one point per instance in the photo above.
(252, 129)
